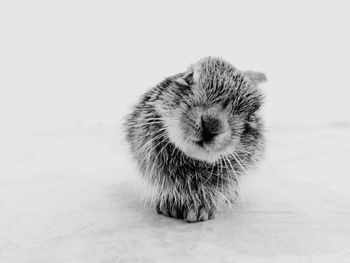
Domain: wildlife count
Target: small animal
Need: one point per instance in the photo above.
(195, 134)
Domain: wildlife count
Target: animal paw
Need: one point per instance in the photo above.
(199, 214)
(170, 209)
(190, 214)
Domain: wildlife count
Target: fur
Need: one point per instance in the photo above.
(194, 134)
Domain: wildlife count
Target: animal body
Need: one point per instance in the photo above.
(195, 134)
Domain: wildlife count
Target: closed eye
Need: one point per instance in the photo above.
(226, 103)
(251, 118)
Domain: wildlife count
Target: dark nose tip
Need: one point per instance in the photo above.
(211, 127)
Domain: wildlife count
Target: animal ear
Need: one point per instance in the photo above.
(186, 78)
(256, 77)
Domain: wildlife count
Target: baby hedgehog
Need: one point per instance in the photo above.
(194, 134)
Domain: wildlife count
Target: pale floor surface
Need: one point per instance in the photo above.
(71, 195)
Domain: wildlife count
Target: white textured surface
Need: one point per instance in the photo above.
(72, 196)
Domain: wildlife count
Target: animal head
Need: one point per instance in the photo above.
(212, 109)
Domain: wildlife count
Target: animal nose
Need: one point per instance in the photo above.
(211, 127)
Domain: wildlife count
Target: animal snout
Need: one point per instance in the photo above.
(211, 127)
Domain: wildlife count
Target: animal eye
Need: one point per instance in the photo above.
(224, 105)
(251, 118)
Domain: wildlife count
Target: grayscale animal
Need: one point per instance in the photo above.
(195, 134)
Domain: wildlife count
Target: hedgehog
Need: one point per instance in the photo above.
(195, 134)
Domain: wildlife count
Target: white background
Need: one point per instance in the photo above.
(68, 61)
(70, 70)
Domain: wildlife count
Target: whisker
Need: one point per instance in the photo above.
(151, 150)
(140, 124)
(211, 173)
(145, 123)
(239, 186)
(246, 153)
(222, 175)
(239, 163)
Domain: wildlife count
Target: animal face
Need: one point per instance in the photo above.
(212, 110)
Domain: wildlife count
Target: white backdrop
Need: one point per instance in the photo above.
(69, 70)
(64, 62)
